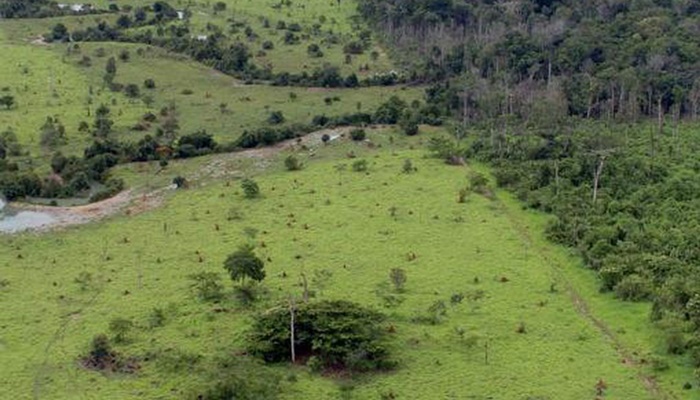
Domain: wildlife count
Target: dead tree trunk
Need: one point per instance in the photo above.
(596, 177)
(291, 329)
(660, 116)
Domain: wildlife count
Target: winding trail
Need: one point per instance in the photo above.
(580, 305)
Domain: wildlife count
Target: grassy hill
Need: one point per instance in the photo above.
(490, 308)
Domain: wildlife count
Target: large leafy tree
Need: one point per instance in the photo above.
(244, 264)
(336, 334)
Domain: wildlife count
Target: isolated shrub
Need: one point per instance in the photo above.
(115, 87)
(247, 294)
(325, 138)
(398, 278)
(243, 263)
(314, 50)
(292, 163)
(478, 182)
(358, 135)
(110, 70)
(337, 334)
(268, 45)
(409, 124)
(241, 378)
(124, 21)
(7, 101)
(433, 315)
(359, 166)
(408, 167)
(290, 38)
(124, 55)
(207, 286)
(84, 281)
(120, 328)
(219, 6)
(149, 83)
(462, 195)
(180, 182)
(132, 90)
(86, 61)
(275, 118)
(250, 188)
(156, 318)
(101, 356)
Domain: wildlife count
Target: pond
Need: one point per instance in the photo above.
(12, 221)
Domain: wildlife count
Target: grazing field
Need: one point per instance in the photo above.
(512, 326)
(477, 304)
(47, 81)
(327, 23)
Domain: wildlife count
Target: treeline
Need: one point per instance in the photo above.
(626, 198)
(216, 49)
(78, 176)
(619, 59)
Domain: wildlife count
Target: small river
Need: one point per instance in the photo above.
(13, 221)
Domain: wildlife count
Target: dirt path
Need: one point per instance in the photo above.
(131, 202)
(581, 306)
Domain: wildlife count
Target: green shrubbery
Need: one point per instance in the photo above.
(335, 334)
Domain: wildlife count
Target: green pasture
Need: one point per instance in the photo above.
(49, 81)
(345, 230)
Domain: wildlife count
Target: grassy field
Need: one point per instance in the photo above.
(47, 81)
(333, 19)
(532, 323)
(336, 226)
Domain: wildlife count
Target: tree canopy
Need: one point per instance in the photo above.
(244, 264)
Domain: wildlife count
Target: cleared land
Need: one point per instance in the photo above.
(523, 319)
(336, 226)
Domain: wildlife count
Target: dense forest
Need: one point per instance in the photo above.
(614, 59)
(582, 110)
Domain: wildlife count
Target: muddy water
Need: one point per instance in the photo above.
(16, 221)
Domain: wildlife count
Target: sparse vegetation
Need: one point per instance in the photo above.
(506, 94)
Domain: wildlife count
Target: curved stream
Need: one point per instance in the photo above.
(12, 221)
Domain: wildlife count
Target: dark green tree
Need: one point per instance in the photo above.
(250, 188)
(103, 123)
(244, 264)
(7, 100)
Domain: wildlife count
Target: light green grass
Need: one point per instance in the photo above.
(294, 58)
(30, 29)
(53, 84)
(48, 321)
(44, 85)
